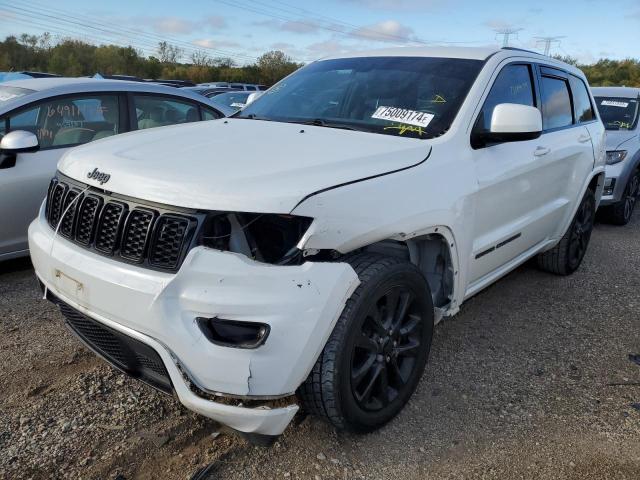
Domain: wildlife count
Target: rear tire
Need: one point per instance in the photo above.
(378, 349)
(620, 213)
(567, 255)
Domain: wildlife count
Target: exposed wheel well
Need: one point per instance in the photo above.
(432, 255)
(596, 182)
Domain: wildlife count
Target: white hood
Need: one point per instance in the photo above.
(237, 164)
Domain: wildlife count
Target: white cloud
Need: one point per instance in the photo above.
(293, 26)
(178, 25)
(211, 43)
(386, 31)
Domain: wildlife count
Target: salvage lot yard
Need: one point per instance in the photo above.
(531, 380)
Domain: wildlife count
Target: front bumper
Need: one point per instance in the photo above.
(617, 175)
(299, 303)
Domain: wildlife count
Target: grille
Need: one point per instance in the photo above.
(125, 230)
(69, 206)
(125, 353)
(109, 227)
(87, 218)
(136, 234)
(166, 247)
(55, 200)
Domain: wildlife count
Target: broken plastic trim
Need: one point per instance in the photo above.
(268, 238)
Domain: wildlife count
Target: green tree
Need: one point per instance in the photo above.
(275, 65)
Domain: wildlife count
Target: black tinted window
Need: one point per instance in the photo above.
(556, 103)
(581, 100)
(513, 85)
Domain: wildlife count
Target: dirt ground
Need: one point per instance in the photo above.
(531, 380)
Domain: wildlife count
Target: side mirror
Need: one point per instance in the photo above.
(512, 122)
(12, 143)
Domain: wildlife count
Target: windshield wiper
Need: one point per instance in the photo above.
(319, 122)
(251, 116)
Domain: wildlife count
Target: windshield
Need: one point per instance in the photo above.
(232, 99)
(618, 113)
(9, 93)
(402, 96)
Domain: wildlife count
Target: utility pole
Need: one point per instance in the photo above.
(548, 41)
(506, 33)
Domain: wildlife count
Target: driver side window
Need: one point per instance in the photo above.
(513, 85)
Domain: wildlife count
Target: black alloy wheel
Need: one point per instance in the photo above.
(631, 196)
(384, 355)
(378, 349)
(581, 233)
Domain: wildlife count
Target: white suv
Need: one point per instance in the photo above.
(301, 252)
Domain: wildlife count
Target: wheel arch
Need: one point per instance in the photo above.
(433, 250)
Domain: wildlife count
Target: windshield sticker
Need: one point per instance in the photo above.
(621, 125)
(402, 129)
(238, 105)
(4, 96)
(611, 103)
(403, 115)
(438, 99)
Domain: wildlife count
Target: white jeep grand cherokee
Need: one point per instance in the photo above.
(301, 252)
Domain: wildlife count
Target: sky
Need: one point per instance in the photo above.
(307, 30)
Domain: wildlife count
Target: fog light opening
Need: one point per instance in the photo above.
(233, 333)
(609, 186)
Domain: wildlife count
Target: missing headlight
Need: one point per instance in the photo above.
(269, 238)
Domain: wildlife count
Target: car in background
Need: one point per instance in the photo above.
(210, 91)
(173, 83)
(9, 76)
(236, 100)
(40, 119)
(214, 84)
(619, 109)
(248, 86)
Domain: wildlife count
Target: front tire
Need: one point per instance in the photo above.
(378, 349)
(567, 255)
(620, 213)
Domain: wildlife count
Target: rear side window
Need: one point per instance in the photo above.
(581, 100)
(513, 85)
(157, 111)
(556, 103)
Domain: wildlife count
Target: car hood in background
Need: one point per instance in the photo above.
(616, 138)
(238, 164)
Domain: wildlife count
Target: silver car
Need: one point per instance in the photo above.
(619, 108)
(40, 119)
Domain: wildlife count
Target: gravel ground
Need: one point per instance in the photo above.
(532, 379)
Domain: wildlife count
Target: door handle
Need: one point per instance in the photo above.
(584, 138)
(540, 151)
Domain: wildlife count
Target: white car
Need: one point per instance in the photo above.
(300, 253)
(53, 115)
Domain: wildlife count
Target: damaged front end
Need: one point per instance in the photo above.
(267, 238)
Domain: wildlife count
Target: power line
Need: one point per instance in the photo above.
(548, 41)
(506, 34)
(317, 21)
(110, 29)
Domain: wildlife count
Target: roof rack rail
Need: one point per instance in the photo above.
(520, 50)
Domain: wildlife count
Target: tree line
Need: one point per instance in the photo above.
(75, 58)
